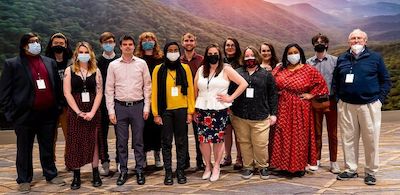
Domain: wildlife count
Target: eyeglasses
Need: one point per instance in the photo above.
(230, 45)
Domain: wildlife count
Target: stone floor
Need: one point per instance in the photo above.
(319, 182)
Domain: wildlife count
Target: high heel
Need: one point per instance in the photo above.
(96, 178)
(76, 181)
(206, 175)
(215, 176)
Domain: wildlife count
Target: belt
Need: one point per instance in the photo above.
(128, 103)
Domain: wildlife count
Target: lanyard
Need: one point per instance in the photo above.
(174, 78)
(209, 79)
(84, 79)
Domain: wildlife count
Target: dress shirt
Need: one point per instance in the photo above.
(128, 81)
(325, 66)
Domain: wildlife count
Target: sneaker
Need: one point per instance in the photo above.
(264, 173)
(314, 167)
(247, 173)
(57, 181)
(346, 176)
(105, 169)
(24, 187)
(334, 168)
(370, 179)
(157, 158)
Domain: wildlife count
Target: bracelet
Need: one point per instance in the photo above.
(78, 113)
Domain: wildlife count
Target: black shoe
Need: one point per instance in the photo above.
(264, 173)
(76, 181)
(370, 179)
(247, 173)
(122, 178)
(140, 178)
(299, 173)
(200, 166)
(187, 165)
(96, 178)
(346, 176)
(168, 178)
(180, 175)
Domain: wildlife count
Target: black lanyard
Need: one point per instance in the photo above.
(84, 80)
(174, 78)
(209, 79)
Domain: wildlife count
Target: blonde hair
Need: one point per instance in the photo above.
(92, 64)
(139, 52)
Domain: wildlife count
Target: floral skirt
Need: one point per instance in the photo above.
(211, 125)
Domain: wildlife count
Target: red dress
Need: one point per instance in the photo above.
(294, 138)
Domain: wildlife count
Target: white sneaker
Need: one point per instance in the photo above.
(118, 168)
(335, 168)
(157, 159)
(105, 169)
(314, 167)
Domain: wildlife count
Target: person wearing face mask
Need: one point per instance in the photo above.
(107, 43)
(253, 112)
(59, 49)
(83, 90)
(232, 54)
(269, 58)
(149, 50)
(361, 83)
(211, 88)
(325, 64)
(31, 98)
(172, 104)
(294, 137)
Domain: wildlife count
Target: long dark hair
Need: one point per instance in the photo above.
(238, 52)
(67, 54)
(274, 59)
(285, 54)
(24, 41)
(206, 64)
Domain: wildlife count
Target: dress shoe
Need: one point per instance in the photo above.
(96, 178)
(206, 175)
(122, 178)
(168, 177)
(140, 178)
(227, 161)
(215, 174)
(76, 181)
(239, 164)
(24, 187)
(180, 175)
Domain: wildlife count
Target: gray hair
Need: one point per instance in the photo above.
(359, 31)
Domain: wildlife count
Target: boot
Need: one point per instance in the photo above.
(76, 181)
(180, 175)
(168, 177)
(96, 178)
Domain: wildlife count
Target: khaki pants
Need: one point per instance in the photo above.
(360, 120)
(62, 119)
(253, 137)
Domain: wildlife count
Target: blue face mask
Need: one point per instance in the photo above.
(84, 57)
(108, 47)
(34, 48)
(148, 45)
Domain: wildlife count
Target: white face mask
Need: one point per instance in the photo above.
(34, 48)
(293, 58)
(84, 57)
(357, 48)
(173, 56)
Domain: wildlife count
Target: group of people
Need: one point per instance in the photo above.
(157, 92)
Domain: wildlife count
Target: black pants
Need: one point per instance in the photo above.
(199, 157)
(174, 124)
(41, 124)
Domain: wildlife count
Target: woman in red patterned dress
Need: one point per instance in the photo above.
(294, 137)
(83, 90)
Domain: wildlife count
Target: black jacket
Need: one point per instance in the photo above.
(17, 90)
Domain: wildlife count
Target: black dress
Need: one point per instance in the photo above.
(80, 141)
(152, 131)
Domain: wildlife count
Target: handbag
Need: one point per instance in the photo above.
(320, 103)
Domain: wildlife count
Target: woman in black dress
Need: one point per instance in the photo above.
(83, 90)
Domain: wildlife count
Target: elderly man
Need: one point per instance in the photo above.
(361, 82)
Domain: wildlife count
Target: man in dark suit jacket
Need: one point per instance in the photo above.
(30, 96)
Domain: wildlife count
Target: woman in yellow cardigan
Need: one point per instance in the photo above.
(172, 104)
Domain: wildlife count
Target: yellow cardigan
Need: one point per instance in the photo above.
(180, 101)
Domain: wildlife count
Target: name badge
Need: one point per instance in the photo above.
(85, 97)
(174, 91)
(40, 84)
(349, 78)
(250, 92)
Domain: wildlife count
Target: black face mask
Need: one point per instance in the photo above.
(58, 49)
(213, 59)
(320, 48)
